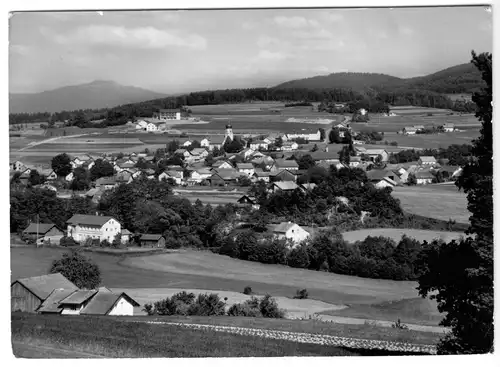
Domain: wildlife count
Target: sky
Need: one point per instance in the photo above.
(192, 50)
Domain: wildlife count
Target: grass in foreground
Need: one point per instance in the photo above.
(309, 326)
(114, 338)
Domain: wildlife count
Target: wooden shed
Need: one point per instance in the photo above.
(152, 240)
(27, 294)
(47, 232)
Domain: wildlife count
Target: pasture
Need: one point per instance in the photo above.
(53, 336)
(434, 141)
(434, 201)
(205, 270)
(396, 234)
(397, 123)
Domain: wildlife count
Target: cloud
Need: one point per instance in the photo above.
(319, 33)
(140, 38)
(406, 31)
(332, 17)
(295, 22)
(19, 50)
(271, 55)
(266, 41)
(249, 25)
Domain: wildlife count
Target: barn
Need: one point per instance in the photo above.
(152, 240)
(46, 232)
(28, 294)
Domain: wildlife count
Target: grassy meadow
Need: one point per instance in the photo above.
(205, 270)
(115, 338)
(434, 201)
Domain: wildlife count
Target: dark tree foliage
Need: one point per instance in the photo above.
(61, 164)
(35, 178)
(101, 168)
(461, 273)
(78, 269)
(233, 146)
(305, 162)
(80, 179)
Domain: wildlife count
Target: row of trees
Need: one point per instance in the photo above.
(374, 257)
(458, 155)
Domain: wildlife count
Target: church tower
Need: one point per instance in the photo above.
(229, 132)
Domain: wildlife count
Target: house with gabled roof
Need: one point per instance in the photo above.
(174, 175)
(448, 127)
(259, 144)
(222, 164)
(282, 175)
(27, 294)
(214, 141)
(245, 168)
(82, 226)
(291, 232)
(306, 187)
(18, 166)
(280, 164)
(106, 183)
(286, 186)
(100, 301)
(261, 176)
(424, 177)
(427, 161)
(42, 233)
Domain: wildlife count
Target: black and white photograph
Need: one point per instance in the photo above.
(251, 182)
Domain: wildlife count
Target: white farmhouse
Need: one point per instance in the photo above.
(141, 124)
(427, 161)
(81, 227)
(100, 301)
(290, 231)
(151, 127)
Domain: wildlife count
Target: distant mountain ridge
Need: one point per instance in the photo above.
(463, 78)
(94, 95)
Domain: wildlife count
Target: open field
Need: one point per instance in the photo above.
(413, 110)
(296, 308)
(396, 234)
(81, 148)
(434, 141)
(116, 338)
(413, 310)
(204, 270)
(396, 123)
(434, 201)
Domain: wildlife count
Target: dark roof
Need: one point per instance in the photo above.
(377, 174)
(103, 302)
(169, 110)
(51, 303)
(151, 237)
(318, 156)
(93, 220)
(216, 139)
(43, 285)
(78, 297)
(244, 165)
(246, 198)
(286, 163)
(42, 228)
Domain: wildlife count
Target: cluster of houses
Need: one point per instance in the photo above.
(55, 294)
(412, 130)
(424, 170)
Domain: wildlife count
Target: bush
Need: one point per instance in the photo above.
(301, 294)
(298, 258)
(269, 308)
(166, 307)
(105, 243)
(207, 305)
(184, 297)
(247, 290)
(246, 309)
(78, 269)
(68, 242)
(149, 309)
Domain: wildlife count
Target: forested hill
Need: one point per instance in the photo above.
(464, 78)
(355, 81)
(94, 95)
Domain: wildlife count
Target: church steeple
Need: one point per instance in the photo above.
(229, 132)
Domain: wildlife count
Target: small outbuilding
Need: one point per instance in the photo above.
(43, 233)
(152, 240)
